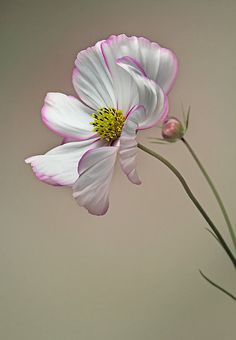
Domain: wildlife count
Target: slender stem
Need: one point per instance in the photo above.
(193, 198)
(217, 286)
(215, 192)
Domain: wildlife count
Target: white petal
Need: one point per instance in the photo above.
(67, 116)
(128, 143)
(124, 86)
(91, 190)
(168, 69)
(59, 166)
(92, 79)
(151, 96)
(158, 64)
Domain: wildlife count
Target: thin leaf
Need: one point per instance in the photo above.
(217, 286)
(183, 113)
(163, 143)
(155, 138)
(187, 119)
(214, 235)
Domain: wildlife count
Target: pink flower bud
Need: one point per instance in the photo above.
(172, 130)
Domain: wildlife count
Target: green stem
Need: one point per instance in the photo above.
(217, 286)
(193, 198)
(215, 192)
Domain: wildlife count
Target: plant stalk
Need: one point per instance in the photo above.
(214, 190)
(193, 199)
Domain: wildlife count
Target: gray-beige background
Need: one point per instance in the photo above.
(132, 274)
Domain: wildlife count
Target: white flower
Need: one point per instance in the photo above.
(122, 84)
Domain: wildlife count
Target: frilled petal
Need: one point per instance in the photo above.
(91, 190)
(168, 70)
(157, 63)
(152, 108)
(124, 86)
(128, 143)
(59, 166)
(92, 79)
(151, 96)
(67, 116)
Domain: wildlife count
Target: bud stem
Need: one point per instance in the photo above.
(193, 199)
(215, 192)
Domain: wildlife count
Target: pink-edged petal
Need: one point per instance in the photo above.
(59, 166)
(151, 96)
(168, 70)
(92, 79)
(68, 140)
(128, 143)
(124, 87)
(67, 116)
(91, 190)
(158, 64)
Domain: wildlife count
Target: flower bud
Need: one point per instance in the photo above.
(172, 130)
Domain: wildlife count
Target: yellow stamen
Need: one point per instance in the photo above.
(108, 123)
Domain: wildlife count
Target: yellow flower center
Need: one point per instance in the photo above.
(108, 123)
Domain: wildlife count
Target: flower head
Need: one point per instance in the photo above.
(122, 85)
(108, 123)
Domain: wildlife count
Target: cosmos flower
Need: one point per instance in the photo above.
(122, 85)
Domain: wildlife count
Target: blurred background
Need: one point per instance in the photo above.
(132, 274)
